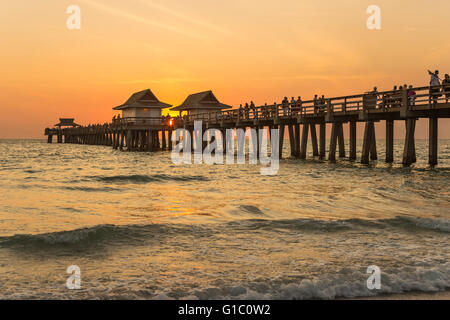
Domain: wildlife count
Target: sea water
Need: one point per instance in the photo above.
(140, 227)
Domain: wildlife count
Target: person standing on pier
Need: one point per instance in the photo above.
(412, 96)
(434, 81)
(299, 105)
(316, 104)
(253, 108)
(247, 111)
(293, 105)
(446, 88)
(285, 104)
(322, 103)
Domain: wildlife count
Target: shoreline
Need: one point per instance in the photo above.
(413, 295)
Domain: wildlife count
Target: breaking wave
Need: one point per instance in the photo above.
(342, 284)
(142, 232)
(137, 178)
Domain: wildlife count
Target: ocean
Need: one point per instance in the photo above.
(140, 227)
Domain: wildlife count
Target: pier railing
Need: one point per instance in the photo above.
(140, 121)
(419, 97)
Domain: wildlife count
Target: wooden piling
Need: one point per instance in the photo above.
(291, 140)
(169, 138)
(433, 141)
(373, 143)
(389, 141)
(333, 141)
(281, 139)
(314, 144)
(409, 149)
(304, 144)
(322, 139)
(352, 151)
(367, 142)
(341, 140)
(297, 140)
(163, 134)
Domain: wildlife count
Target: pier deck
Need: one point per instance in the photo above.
(301, 119)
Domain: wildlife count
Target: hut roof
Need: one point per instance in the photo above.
(201, 100)
(66, 122)
(143, 99)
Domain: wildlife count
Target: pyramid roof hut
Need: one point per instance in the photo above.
(67, 122)
(201, 102)
(143, 99)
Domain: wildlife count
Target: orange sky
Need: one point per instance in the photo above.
(259, 50)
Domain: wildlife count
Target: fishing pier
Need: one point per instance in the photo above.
(141, 128)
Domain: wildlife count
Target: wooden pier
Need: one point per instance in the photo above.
(301, 120)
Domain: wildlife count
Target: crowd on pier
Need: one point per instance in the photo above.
(438, 88)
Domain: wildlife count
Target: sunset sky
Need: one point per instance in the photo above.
(243, 50)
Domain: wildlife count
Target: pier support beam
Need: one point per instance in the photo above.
(223, 133)
(291, 139)
(163, 135)
(352, 128)
(122, 140)
(389, 141)
(409, 152)
(169, 138)
(281, 137)
(322, 139)
(369, 143)
(314, 144)
(297, 140)
(333, 141)
(341, 140)
(433, 141)
(304, 145)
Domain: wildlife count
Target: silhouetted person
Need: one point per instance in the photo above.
(299, 104)
(253, 108)
(247, 111)
(293, 105)
(322, 102)
(446, 89)
(434, 81)
(285, 104)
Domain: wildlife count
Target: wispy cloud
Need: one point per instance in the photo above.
(184, 17)
(143, 20)
(151, 81)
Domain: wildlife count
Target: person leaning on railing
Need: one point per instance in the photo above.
(322, 103)
(411, 96)
(293, 105)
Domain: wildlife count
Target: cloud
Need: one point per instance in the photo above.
(152, 81)
(136, 18)
(184, 17)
